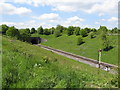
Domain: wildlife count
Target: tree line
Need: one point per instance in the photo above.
(59, 30)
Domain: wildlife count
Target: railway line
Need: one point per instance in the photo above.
(102, 65)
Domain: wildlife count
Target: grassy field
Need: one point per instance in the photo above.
(28, 66)
(88, 49)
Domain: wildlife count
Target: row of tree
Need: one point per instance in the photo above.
(25, 34)
(59, 30)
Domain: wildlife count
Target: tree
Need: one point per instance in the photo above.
(46, 31)
(103, 29)
(93, 29)
(87, 29)
(25, 35)
(70, 30)
(92, 35)
(13, 32)
(4, 28)
(60, 28)
(77, 31)
(80, 41)
(52, 30)
(83, 33)
(57, 33)
(33, 30)
(40, 30)
(105, 41)
(114, 30)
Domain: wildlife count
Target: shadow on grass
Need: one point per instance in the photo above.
(108, 48)
(81, 43)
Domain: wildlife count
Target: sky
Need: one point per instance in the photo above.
(49, 13)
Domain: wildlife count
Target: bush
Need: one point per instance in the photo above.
(24, 35)
(77, 31)
(40, 30)
(83, 33)
(70, 30)
(92, 35)
(13, 32)
(80, 41)
(33, 30)
(4, 28)
(46, 31)
(57, 33)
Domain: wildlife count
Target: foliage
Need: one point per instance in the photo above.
(27, 30)
(57, 33)
(40, 30)
(52, 30)
(77, 31)
(46, 31)
(92, 35)
(33, 30)
(114, 30)
(102, 29)
(80, 41)
(87, 29)
(83, 33)
(93, 29)
(4, 28)
(70, 30)
(25, 35)
(105, 41)
(60, 28)
(13, 32)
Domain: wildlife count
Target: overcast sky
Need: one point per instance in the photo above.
(49, 13)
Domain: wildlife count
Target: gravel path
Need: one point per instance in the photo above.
(91, 62)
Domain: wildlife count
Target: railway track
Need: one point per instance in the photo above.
(92, 62)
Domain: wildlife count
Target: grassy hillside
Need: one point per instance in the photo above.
(28, 66)
(88, 49)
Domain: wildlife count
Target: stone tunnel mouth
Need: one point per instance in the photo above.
(35, 40)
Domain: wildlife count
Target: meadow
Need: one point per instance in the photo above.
(27, 66)
(88, 49)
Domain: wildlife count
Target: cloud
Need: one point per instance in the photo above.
(88, 6)
(97, 22)
(101, 14)
(113, 19)
(28, 24)
(54, 18)
(6, 8)
(50, 20)
(75, 18)
(48, 16)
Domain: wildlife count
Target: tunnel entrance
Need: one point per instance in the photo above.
(35, 40)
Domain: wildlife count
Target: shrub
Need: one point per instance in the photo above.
(80, 41)
(70, 30)
(40, 30)
(33, 30)
(24, 35)
(77, 31)
(83, 33)
(4, 28)
(57, 33)
(13, 32)
(92, 35)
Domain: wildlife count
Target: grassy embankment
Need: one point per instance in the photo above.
(88, 49)
(28, 66)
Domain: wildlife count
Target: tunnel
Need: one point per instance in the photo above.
(35, 40)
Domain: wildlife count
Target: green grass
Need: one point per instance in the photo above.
(28, 66)
(88, 49)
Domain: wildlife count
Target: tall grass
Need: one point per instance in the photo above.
(28, 66)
